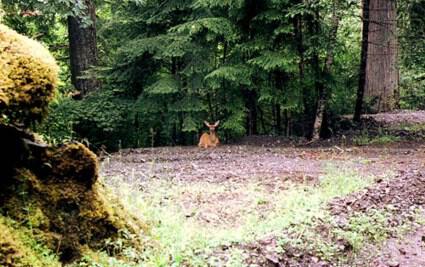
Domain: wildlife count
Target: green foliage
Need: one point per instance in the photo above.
(62, 7)
(365, 139)
(75, 120)
(270, 61)
(411, 26)
(412, 89)
(373, 227)
(254, 65)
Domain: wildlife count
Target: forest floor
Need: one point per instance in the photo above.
(278, 204)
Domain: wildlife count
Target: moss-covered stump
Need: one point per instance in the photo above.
(63, 202)
(13, 149)
(52, 192)
(28, 77)
(74, 162)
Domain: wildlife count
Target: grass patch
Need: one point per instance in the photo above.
(178, 238)
(366, 139)
(341, 244)
(411, 128)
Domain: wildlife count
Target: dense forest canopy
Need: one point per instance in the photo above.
(147, 73)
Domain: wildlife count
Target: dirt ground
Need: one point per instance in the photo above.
(397, 170)
(241, 163)
(399, 117)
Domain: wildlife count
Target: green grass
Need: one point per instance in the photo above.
(412, 128)
(179, 239)
(365, 139)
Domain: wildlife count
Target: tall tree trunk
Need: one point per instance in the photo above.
(278, 119)
(322, 89)
(287, 119)
(363, 61)
(299, 39)
(83, 49)
(251, 105)
(381, 68)
(262, 121)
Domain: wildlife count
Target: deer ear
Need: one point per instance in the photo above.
(216, 123)
(206, 123)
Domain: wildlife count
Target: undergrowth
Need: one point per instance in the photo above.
(21, 246)
(296, 216)
(178, 239)
(365, 139)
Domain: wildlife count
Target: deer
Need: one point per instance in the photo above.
(209, 139)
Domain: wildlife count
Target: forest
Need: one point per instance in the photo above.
(212, 133)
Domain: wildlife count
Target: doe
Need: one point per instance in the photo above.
(211, 139)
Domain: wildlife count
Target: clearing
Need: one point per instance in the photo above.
(244, 205)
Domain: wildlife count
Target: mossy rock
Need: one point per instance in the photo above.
(28, 77)
(65, 203)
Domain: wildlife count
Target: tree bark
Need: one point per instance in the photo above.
(83, 49)
(363, 61)
(287, 118)
(251, 105)
(299, 39)
(381, 69)
(278, 119)
(322, 89)
(261, 115)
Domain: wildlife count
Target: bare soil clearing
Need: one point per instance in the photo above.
(410, 251)
(402, 194)
(399, 117)
(225, 180)
(245, 163)
(396, 117)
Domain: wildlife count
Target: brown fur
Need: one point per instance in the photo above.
(211, 139)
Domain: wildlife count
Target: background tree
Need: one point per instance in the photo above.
(322, 87)
(363, 61)
(274, 67)
(412, 53)
(83, 47)
(382, 75)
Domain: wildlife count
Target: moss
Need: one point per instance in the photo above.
(74, 161)
(28, 77)
(66, 204)
(10, 249)
(18, 247)
(52, 192)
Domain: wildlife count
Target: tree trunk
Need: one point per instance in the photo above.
(83, 49)
(287, 119)
(251, 105)
(322, 90)
(381, 68)
(363, 61)
(299, 39)
(278, 120)
(262, 122)
(320, 110)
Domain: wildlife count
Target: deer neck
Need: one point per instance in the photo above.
(213, 136)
